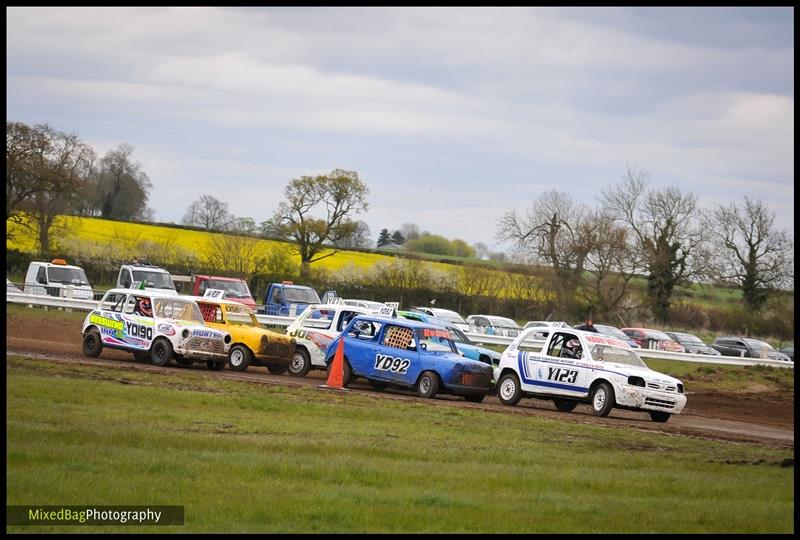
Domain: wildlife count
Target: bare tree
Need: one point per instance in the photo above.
(209, 213)
(555, 231)
(410, 231)
(750, 251)
(122, 186)
(665, 232)
(339, 194)
(359, 238)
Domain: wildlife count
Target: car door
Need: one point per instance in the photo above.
(555, 372)
(396, 358)
(360, 342)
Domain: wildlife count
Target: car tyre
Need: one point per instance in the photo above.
(92, 344)
(509, 391)
(239, 357)
(659, 416)
(428, 384)
(565, 405)
(602, 399)
(300, 364)
(277, 369)
(161, 352)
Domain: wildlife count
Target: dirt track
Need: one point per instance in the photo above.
(764, 418)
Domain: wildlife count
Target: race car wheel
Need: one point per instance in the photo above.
(508, 389)
(300, 364)
(659, 416)
(239, 357)
(216, 365)
(346, 371)
(184, 362)
(565, 405)
(475, 399)
(161, 352)
(141, 356)
(379, 385)
(276, 369)
(428, 384)
(602, 399)
(92, 344)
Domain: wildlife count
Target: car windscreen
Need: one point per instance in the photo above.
(458, 336)
(181, 310)
(503, 322)
(240, 314)
(654, 334)
(155, 280)
(612, 331)
(435, 340)
(301, 295)
(606, 353)
(233, 289)
(448, 315)
(758, 344)
(68, 276)
(689, 338)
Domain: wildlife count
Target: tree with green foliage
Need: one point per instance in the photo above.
(384, 239)
(337, 196)
(397, 238)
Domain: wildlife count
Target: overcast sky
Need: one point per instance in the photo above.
(451, 116)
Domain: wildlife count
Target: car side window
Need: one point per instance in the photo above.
(113, 302)
(129, 305)
(556, 344)
(319, 318)
(41, 276)
(364, 330)
(399, 337)
(344, 319)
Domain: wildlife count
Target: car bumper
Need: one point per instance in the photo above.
(469, 383)
(636, 397)
(196, 348)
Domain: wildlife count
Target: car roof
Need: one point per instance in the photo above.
(146, 267)
(220, 278)
(143, 292)
(396, 320)
(208, 300)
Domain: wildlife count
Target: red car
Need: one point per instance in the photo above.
(647, 338)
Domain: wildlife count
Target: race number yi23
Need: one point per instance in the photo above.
(561, 374)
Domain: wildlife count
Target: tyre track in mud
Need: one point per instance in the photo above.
(686, 424)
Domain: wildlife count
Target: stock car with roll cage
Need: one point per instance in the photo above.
(575, 367)
(422, 357)
(155, 327)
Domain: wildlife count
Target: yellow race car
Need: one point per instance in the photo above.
(251, 343)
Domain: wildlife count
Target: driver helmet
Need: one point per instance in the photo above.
(145, 308)
(574, 345)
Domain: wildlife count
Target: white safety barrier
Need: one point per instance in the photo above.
(481, 339)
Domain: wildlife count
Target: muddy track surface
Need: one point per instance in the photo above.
(765, 419)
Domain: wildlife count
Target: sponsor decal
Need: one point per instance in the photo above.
(436, 332)
(320, 340)
(384, 362)
(606, 340)
(205, 334)
(104, 321)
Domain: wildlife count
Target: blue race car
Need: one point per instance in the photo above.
(463, 343)
(393, 351)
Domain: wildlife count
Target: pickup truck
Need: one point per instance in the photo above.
(144, 276)
(57, 278)
(575, 367)
(235, 289)
(286, 299)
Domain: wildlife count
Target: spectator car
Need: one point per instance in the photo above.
(493, 325)
(586, 367)
(748, 347)
(463, 343)
(647, 338)
(154, 326)
(410, 354)
(449, 315)
(692, 344)
(613, 331)
(788, 351)
(251, 343)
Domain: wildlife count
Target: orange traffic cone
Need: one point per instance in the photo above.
(336, 376)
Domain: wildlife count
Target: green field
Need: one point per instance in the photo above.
(256, 458)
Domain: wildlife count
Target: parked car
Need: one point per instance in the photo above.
(463, 343)
(251, 343)
(314, 329)
(586, 367)
(647, 338)
(613, 331)
(748, 347)
(692, 344)
(410, 354)
(154, 326)
(493, 325)
(449, 315)
(554, 324)
(788, 351)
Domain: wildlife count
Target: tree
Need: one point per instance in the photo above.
(666, 234)
(359, 238)
(749, 251)
(397, 238)
(383, 238)
(409, 231)
(209, 213)
(45, 169)
(557, 231)
(339, 194)
(430, 243)
(461, 248)
(122, 187)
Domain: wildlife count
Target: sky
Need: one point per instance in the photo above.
(451, 116)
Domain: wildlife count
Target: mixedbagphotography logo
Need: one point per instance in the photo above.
(94, 515)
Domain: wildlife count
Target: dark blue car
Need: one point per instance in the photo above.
(391, 351)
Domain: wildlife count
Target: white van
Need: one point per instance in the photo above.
(57, 278)
(140, 275)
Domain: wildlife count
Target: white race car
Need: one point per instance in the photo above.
(156, 327)
(585, 367)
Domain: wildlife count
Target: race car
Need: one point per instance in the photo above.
(410, 354)
(585, 367)
(251, 343)
(155, 327)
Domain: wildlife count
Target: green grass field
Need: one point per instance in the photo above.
(254, 458)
